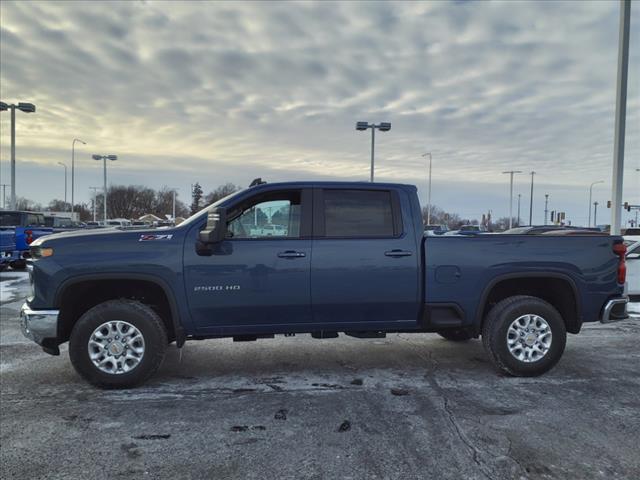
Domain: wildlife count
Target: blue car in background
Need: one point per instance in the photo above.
(27, 227)
(7, 246)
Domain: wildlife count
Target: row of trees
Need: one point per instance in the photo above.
(134, 201)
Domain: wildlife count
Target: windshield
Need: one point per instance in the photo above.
(197, 215)
(9, 219)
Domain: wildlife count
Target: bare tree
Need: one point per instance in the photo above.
(221, 192)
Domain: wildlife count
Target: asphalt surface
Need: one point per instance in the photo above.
(408, 406)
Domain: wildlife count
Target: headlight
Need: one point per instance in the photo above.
(40, 252)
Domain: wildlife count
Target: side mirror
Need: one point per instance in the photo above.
(216, 229)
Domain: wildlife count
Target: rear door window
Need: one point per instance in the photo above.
(358, 213)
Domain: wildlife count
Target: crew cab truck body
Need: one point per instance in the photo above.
(354, 260)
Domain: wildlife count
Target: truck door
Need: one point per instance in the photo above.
(259, 276)
(365, 265)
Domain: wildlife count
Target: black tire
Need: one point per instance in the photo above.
(496, 326)
(142, 317)
(18, 264)
(456, 334)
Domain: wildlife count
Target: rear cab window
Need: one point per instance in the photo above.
(355, 213)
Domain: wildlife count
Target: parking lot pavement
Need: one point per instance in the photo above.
(408, 406)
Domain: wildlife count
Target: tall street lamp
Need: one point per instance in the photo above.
(590, 193)
(104, 159)
(511, 172)
(519, 197)
(429, 194)
(73, 168)
(65, 183)
(546, 207)
(531, 200)
(95, 189)
(383, 127)
(26, 108)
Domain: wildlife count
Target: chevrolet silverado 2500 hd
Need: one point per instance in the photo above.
(346, 258)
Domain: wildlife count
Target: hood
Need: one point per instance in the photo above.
(102, 233)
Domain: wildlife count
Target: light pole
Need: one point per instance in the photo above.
(73, 168)
(4, 195)
(590, 193)
(546, 205)
(511, 172)
(531, 200)
(621, 114)
(519, 196)
(595, 213)
(174, 205)
(429, 194)
(104, 159)
(383, 127)
(65, 183)
(94, 201)
(26, 108)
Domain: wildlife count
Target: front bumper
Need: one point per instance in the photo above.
(615, 310)
(39, 325)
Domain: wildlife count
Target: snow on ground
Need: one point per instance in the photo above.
(8, 284)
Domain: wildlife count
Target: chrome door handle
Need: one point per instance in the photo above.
(398, 253)
(291, 254)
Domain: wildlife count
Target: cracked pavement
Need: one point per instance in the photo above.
(408, 406)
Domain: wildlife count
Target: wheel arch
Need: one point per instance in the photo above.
(538, 284)
(70, 284)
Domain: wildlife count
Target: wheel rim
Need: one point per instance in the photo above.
(116, 347)
(529, 338)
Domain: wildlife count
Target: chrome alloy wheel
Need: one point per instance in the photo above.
(116, 347)
(529, 338)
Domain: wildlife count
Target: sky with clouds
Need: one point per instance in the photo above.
(220, 92)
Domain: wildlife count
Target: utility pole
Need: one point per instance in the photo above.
(94, 201)
(65, 183)
(519, 196)
(4, 195)
(73, 168)
(590, 194)
(429, 193)
(621, 113)
(531, 200)
(511, 172)
(546, 204)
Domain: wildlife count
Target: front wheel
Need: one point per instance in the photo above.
(118, 344)
(524, 336)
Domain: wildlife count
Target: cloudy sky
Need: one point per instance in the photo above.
(218, 92)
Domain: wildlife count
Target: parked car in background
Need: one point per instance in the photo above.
(435, 229)
(93, 225)
(631, 231)
(540, 229)
(633, 271)
(7, 246)
(28, 227)
(61, 224)
(117, 222)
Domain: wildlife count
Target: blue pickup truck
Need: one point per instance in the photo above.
(349, 258)
(28, 226)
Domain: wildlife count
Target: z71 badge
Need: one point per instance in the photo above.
(147, 237)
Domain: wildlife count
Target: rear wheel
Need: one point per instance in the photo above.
(118, 344)
(524, 336)
(456, 334)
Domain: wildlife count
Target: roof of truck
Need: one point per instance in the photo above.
(333, 184)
